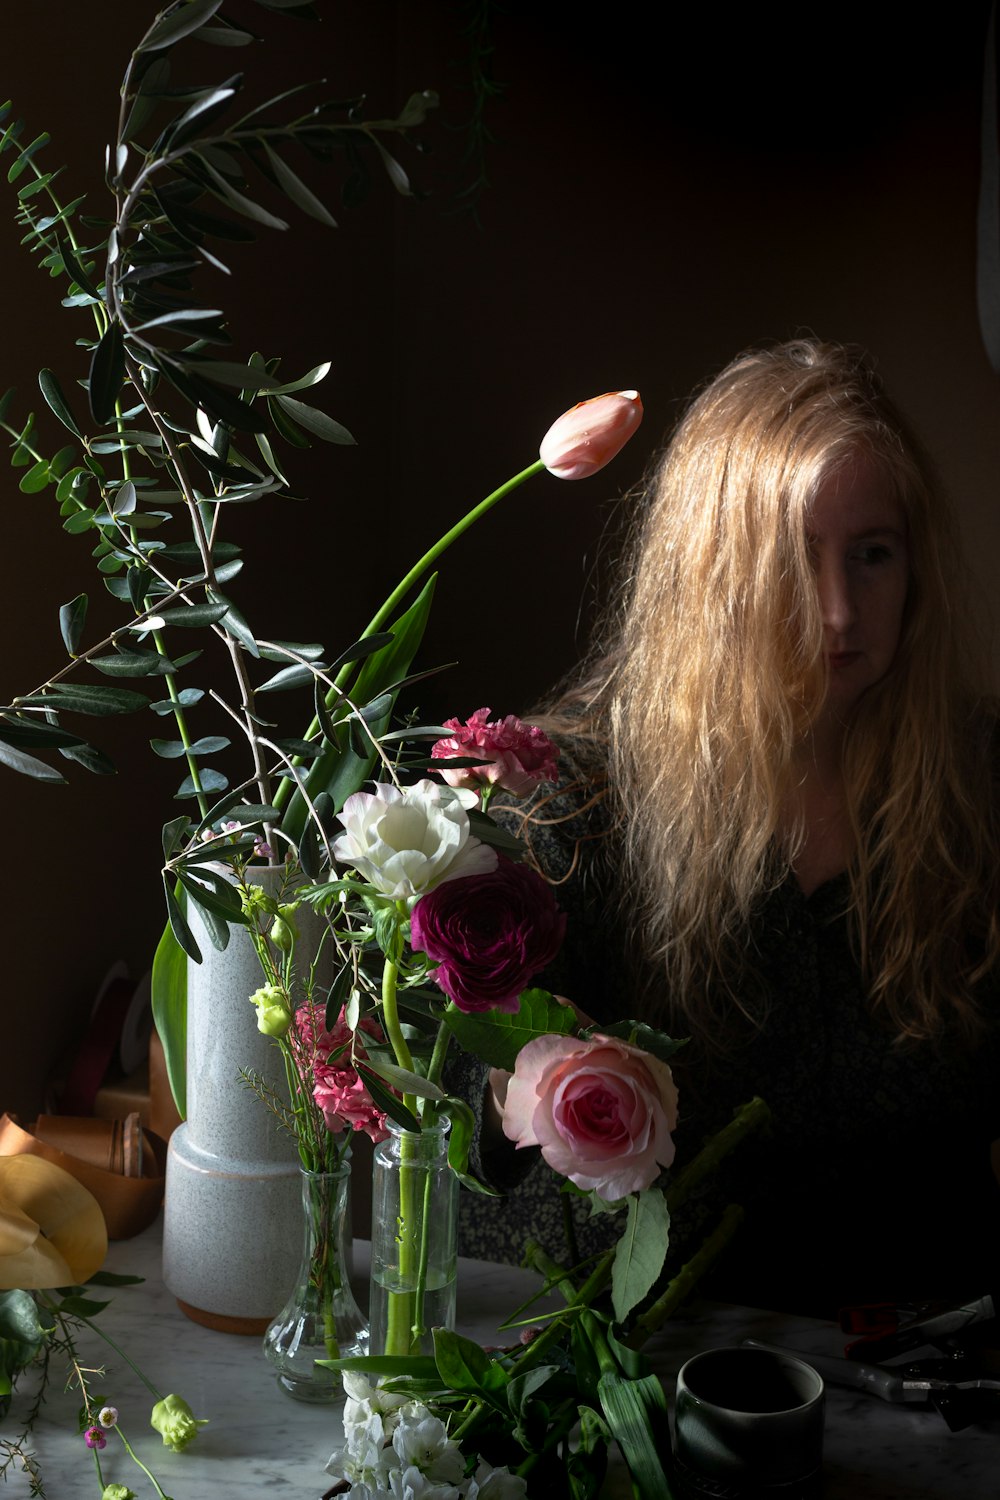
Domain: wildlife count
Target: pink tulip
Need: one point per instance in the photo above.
(588, 436)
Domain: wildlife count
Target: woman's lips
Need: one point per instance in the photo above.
(837, 660)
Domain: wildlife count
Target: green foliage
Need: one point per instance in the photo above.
(497, 1037)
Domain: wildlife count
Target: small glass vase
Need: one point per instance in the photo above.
(321, 1319)
(414, 1240)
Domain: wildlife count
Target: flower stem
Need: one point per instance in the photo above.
(385, 613)
(137, 1460)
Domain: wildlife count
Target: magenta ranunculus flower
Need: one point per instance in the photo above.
(489, 935)
(600, 1109)
(589, 435)
(514, 756)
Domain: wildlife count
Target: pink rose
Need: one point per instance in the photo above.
(589, 435)
(337, 1088)
(489, 935)
(601, 1110)
(515, 756)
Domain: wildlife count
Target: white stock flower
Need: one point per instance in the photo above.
(410, 1484)
(496, 1484)
(405, 842)
(421, 1441)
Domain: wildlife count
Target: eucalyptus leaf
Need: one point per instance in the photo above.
(173, 749)
(208, 781)
(186, 698)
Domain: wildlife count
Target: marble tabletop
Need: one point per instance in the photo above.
(260, 1441)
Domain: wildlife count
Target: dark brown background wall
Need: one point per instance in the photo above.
(657, 200)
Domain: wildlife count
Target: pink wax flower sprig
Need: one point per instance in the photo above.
(513, 756)
(489, 935)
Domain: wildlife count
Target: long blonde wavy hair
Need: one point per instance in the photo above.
(709, 673)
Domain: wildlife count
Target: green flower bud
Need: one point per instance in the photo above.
(176, 1423)
(117, 1492)
(256, 899)
(274, 1014)
(283, 934)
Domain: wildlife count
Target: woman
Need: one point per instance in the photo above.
(782, 839)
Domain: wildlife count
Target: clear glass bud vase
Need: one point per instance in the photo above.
(414, 1240)
(321, 1319)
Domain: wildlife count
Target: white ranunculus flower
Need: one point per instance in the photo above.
(405, 842)
(421, 1441)
(496, 1484)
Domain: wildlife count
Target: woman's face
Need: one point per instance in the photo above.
(857, 538)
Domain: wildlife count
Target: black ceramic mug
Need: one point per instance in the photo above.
(748, 1423)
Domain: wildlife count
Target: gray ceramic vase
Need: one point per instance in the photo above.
(232, 1219)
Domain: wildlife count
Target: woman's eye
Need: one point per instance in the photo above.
(874, 555)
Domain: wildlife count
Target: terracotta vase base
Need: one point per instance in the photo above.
(251, 1327)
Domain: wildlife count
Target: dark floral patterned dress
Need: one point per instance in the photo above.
(874, 1179)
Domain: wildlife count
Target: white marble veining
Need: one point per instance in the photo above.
(259, 1441)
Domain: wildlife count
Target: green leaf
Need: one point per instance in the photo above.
(21, 1335)
(27, 765)
(52, 391)
(460, 1138)
(125, 499)
(636, 1412)
(35, 734)
(212, 894)
(239, 201)
(302, 196)
(640, 1035)
(464, 1366)
(404, 1081)
(386, 1100)
(496, 1037)
(340, 772)
(86, 699)
(209, 781)
(107, 373)
(640, 1252)
(316, 422)
(90, 758)
(244, 377)
(178, 23)
(178, 922)
(186, 698)
(37, 477)
(133, 664)
(191, 615)
(290, 677)
(209, 744)
(169, 999)
(72, 618)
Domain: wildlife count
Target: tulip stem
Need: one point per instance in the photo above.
(383, 615)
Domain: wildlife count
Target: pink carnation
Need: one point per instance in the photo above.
(515, 756)
(601, 1110)
(337, 1088)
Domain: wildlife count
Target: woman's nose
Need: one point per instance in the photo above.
(836, 597)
